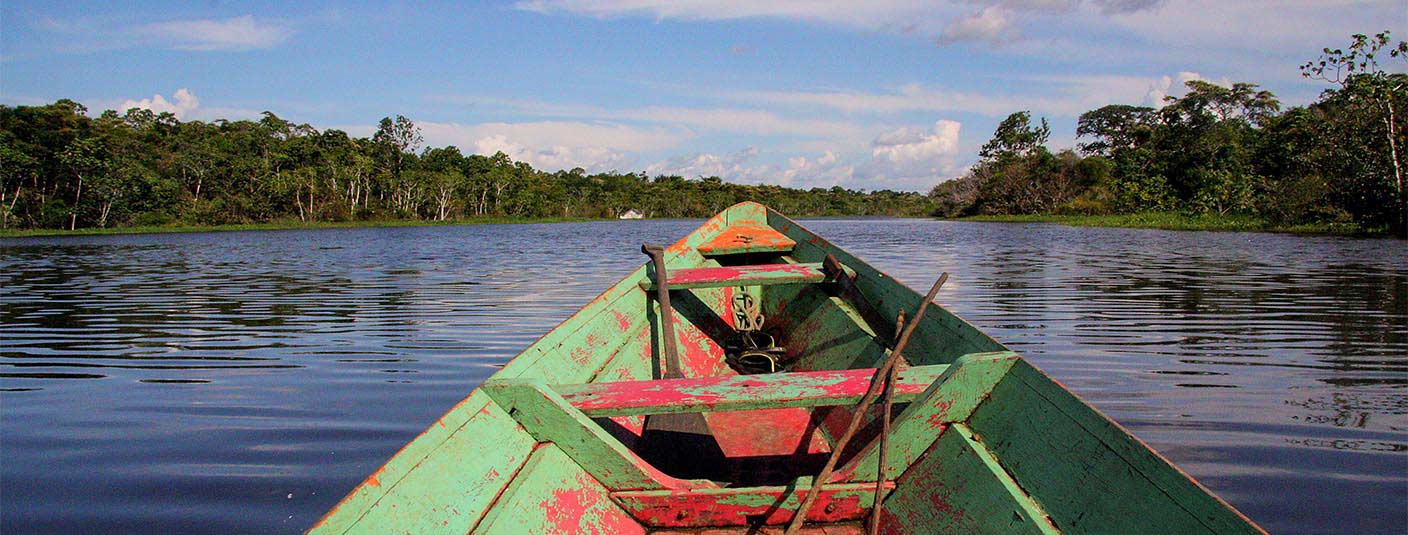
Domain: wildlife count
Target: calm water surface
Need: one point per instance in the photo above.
(244, 382)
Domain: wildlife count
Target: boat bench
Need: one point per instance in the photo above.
(749, 275)
(937, 396)
(740, 392)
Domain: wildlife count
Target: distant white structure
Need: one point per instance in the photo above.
(632, 214)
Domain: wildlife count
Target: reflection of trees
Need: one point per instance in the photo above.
(1351, 409)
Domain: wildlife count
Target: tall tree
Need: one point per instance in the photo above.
(1115, 127)
(83, 158)
(1015, 136)
(1363, 84)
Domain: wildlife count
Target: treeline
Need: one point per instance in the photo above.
(1216, 150)
(63, 169)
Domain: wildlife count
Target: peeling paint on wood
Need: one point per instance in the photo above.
(957, 487)
(554, 496)
(549, 418)
(740, 392)
(739, 507)
(747, 238)
(952, 398)
(986, 443)
(754, 275)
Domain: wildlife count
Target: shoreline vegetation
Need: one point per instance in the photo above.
(1144, 220)
(289, 224)
(1213, 158)
(1179, 222)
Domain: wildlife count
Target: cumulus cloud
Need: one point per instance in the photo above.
(825, 170)
(914, 145)
(182, 104)
(1166, 86)
(733, 166)
(591, 158)
(991, 25)
(901, 159)
(912, 158)
(235, 33)
(553, 145)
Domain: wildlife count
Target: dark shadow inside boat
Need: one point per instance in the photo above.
(686, 454)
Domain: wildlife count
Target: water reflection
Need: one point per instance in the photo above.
(228, 372)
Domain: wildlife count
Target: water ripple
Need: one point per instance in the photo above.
(254, 377)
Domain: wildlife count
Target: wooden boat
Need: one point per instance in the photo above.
(595, 428)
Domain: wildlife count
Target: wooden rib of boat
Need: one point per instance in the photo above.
(593, 429)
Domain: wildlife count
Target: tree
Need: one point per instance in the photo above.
(1015, 136)
(398, 138)
(83, 158)
(1364, 85)
(16, 164)
(1206, 102)
(1115, 127)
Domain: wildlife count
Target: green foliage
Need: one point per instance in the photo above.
(61, 168)
(1225, 153)
(1115, 127)
(1015, 137)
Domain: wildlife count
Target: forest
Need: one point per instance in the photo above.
(63, 169)
(1224, 151)
(1218, 151)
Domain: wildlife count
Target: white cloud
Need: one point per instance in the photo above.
(901, 159)
(183, 102)
(732, 166)
(874, 14)
(731, 120)
(908, 145)
(949, 21)
(553, 145)
(1125, 6)
(991, 25)
(910, 158)
(236, 33)
(591, 158)
(1165, 86)
(825, 170)
(1059, 96)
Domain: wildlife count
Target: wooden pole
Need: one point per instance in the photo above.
(864, 405)
(889, 403)
(670, 365)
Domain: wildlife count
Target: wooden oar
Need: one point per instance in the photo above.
(678, 443)
(670, 364)
(864, 405)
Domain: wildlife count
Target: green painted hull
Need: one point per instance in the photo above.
(562, 441)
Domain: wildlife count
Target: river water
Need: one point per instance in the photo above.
(243, 382)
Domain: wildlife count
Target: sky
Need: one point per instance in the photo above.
(882, 94)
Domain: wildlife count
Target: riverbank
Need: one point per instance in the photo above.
(284, 225)
(1179, 221)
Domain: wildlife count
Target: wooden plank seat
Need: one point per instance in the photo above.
(740, 392)
(753, 275)
(695, 508)
(747, 238)
(938, 395)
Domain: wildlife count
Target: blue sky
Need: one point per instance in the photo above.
(872, 95)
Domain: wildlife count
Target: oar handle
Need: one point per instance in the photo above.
(670, 364)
